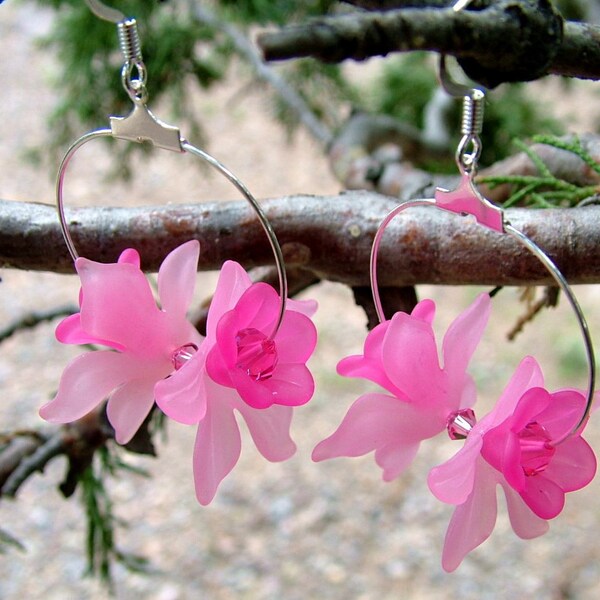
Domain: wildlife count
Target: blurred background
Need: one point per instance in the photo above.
(290, 531)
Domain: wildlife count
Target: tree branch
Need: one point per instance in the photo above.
(538, 44)
(330, 236)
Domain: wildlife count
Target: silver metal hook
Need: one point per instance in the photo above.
(106, 13)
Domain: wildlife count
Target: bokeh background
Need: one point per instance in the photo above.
(292, 531)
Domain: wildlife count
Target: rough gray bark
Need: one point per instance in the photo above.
(329, 236)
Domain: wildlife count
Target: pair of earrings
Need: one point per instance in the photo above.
(253, 359)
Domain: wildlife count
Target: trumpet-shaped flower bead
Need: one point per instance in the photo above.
(147, 342)
(264, 371)
(248, 312)
(513, 446)
(401, 355)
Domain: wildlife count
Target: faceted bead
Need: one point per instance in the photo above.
(182, 354)
(536, 449)
(460, 422)
(257, 354)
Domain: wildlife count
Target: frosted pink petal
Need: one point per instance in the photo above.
(527, 375)
(86, 381)
(377, 422)
(473, 521)
(304, 307)
(424, 310)
(410, 360)
(296, 339)
(118, 305)
(462, 338)
(252, 392)
(182, 396)
(227, 331)
(562, 413)
(291, 384)
(395, 458)
(130, 256)
(452, 481)
(502, 450)
(258, 307)
(270, 430)
(69, 331)
(128, 406)
(529, 408)
(544, 497)
(218, 443)
(177, 278)
(370, 366)
(525, 523)
(573, 465)
(233, 282)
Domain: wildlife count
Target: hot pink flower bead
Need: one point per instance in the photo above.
(239, 368)
(514, 447)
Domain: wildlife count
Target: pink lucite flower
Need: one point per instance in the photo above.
(401, 355)
(264, 371)
(239, 367)
(513, 446)
(147, 342)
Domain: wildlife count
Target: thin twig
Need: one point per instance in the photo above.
(541, 43)
(37, 461)
(33, 319)
(286, 92)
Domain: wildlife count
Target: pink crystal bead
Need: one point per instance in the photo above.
(536, 449)
(182, 354)
(257, 354)
(460, 422)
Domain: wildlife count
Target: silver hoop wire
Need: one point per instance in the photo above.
(214, 163)
(542, 257)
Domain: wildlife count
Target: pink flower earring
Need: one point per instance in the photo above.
(253, 358)
(530, 443)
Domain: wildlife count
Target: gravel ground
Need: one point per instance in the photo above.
(292, 531)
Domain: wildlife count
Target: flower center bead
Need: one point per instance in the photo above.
(182, 354)
(460, 422)
(536, 449)
(257, 354)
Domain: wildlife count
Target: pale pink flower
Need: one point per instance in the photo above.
(513, 447)
(239, 368)
(401, 355)
(118, 310)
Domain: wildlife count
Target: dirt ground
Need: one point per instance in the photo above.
(291, 531)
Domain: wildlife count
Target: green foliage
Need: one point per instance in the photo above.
(404, 88)
(546, 190)
(278, 12)
(407, 84)
(101, 549)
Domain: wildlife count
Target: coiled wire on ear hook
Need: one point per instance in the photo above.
(142, 126)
